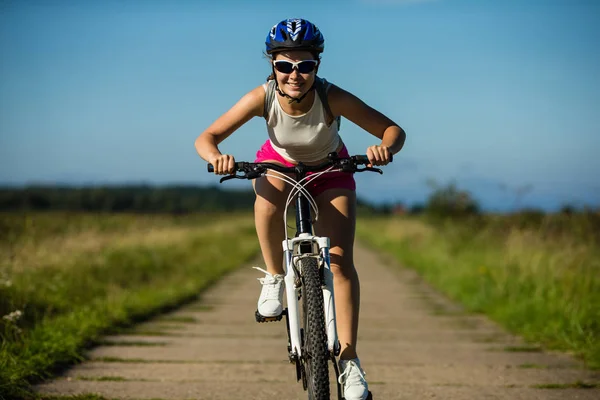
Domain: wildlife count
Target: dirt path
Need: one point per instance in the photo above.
(413, 345)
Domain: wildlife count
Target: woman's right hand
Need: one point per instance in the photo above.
(223, 164)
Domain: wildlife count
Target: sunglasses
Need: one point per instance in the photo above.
(303, 67)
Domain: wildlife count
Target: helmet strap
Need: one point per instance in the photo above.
(290, 98)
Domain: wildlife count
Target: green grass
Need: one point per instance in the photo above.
(66, 305)
(539, 279)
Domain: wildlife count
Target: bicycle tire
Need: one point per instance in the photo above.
(315, 354)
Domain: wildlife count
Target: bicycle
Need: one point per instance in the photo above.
(312, 339)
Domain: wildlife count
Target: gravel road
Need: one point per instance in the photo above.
(413, 343)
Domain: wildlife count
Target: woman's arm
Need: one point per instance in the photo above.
(251, 105)
(351, 107)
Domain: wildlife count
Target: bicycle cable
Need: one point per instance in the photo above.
(299, 187)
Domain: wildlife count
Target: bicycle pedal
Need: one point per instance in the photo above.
(260, 318)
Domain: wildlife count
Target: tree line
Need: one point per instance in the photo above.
(177, 199)
(444, 200)
(143, 199)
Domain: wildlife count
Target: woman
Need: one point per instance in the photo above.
(301, 130)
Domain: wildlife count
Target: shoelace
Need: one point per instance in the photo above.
(272, 284)
(350, 365)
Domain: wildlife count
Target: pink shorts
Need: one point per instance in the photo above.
(316, 186)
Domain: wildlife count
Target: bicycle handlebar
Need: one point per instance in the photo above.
(255, 170)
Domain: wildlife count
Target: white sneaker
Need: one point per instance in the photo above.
(270, 302)
(353, 380)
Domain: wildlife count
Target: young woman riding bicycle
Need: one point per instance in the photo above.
(301, 129)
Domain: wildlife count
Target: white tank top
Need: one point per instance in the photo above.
(305, 138)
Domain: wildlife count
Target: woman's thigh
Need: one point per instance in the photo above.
(337, 221)
(270, 189)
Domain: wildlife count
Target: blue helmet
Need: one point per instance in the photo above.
(295, 34)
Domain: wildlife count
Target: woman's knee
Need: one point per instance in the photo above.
(270, 196)
(342, 266)
(266, 208)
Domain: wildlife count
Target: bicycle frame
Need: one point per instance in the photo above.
(305, 244)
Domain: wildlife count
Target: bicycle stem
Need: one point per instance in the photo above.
(303, 222)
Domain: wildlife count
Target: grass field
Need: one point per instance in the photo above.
(539, 277)
(66, 279)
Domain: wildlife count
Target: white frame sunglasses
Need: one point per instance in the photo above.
(296, 65)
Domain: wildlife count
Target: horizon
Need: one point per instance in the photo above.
(501, 98)
(517, 206)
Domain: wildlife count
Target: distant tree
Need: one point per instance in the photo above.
(417, 208)
(38, 200)
(450, 201)
(568, 209)
(398, 209)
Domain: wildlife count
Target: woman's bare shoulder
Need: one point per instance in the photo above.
(254, 100)
(339, 99)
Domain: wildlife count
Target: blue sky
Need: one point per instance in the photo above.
(494, 95)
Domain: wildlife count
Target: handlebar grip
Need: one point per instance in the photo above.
(364, 160)
(239, 166)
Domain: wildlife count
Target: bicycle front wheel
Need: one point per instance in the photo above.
(315, 354)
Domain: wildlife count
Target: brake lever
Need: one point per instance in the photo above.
(372, 169)
(253, 174)
(228, 177)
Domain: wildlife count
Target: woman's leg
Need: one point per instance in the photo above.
(337, 220)
(271, 194)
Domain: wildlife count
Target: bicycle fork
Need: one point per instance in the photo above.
(292, 288)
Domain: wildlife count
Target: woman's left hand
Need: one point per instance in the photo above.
(379, 155)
